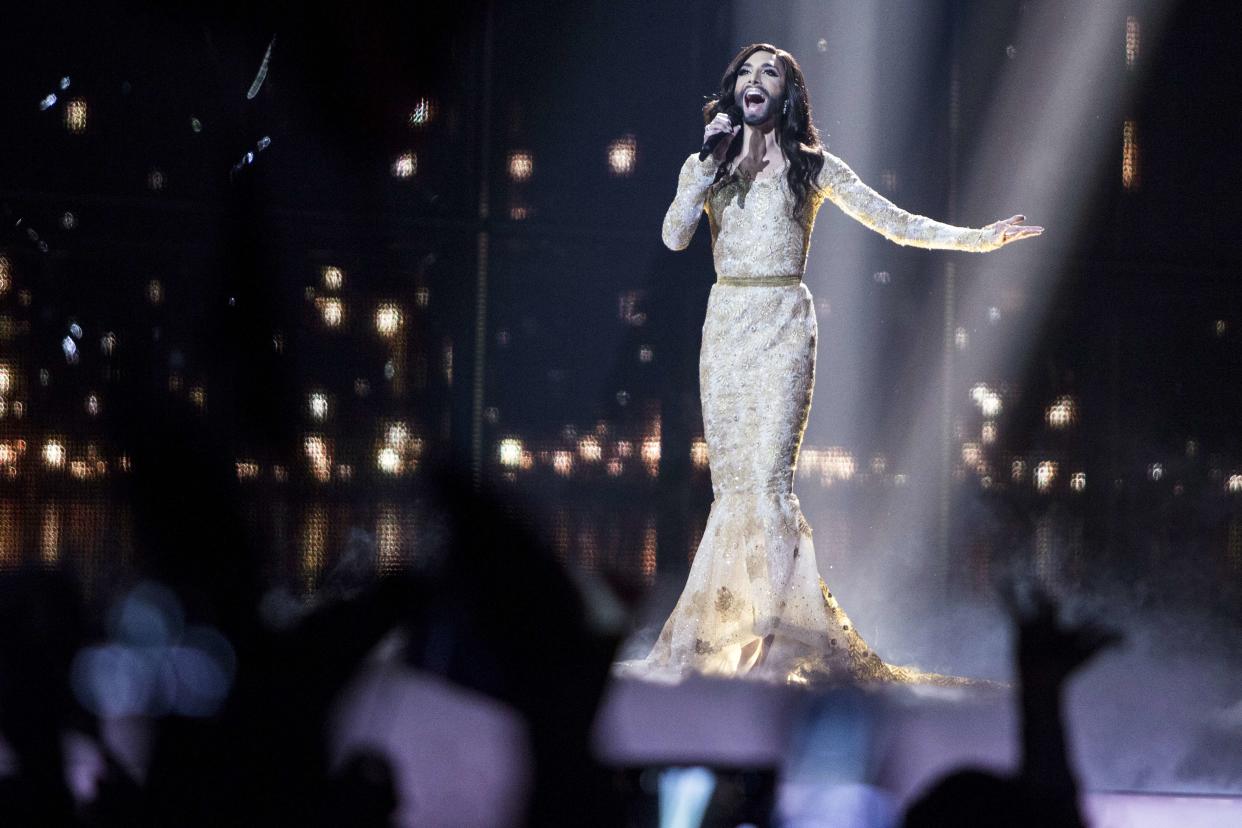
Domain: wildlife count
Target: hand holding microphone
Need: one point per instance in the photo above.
(718, 134)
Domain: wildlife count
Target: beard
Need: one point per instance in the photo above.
(759, 115)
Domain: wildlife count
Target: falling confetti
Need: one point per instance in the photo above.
(71, 350)
(196, 125)
(64, 83)
(248, 159)
(262, 75)
(75, 330)
(48, 102)
(33, 235)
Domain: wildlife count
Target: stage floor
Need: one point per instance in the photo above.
(855, 751)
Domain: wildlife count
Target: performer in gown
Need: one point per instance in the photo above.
(754, 604)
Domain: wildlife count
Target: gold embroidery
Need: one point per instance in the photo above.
(726, 606)
(760, 281)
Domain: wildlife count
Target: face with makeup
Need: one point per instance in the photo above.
(760, 89)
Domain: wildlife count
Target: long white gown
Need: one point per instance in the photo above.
(754, 603)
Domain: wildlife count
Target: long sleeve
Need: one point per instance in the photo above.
(683, 214)
(842, 186)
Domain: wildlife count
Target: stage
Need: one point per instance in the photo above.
(371, 372)
(851, 757)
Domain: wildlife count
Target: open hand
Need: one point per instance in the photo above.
(1050, 649)
(1012, 229)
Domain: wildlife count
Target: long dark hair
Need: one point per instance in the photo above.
(798, 137)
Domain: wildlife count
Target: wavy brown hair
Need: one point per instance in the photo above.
(796, 133)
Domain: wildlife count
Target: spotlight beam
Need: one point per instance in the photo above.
(1053, 120)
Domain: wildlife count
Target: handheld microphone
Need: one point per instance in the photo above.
(709, 146)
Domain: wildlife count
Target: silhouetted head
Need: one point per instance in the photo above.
(969, 797)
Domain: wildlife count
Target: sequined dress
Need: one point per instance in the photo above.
(754, 603)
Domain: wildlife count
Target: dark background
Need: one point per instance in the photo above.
(560, 278)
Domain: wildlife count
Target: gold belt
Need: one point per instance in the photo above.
(759, 281)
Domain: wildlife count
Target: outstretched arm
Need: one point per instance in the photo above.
(842, 186)
(1049, 652)
(683, 214)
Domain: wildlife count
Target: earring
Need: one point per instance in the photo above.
(785, 108)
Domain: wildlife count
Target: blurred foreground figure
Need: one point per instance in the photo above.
(1044, 792)
(480, 656)
(41, 619)
(460, 692)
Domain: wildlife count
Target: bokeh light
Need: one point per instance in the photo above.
(317, 402)
(623, 156)
(589, 449)
(1062, 414)
(510, 452)
(521, 165)
(405, 165)
(76, 112)
(989, 401)
(1045, 475)
(698, 453)
(389, 460)
(1130, 155)
(333, 277)
(331, 311)
(1132, 41)
(423, 113)
(153, 663)
(54, 454)
(397, 435)
(319, 456)
(650, 453)
(388, 319)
